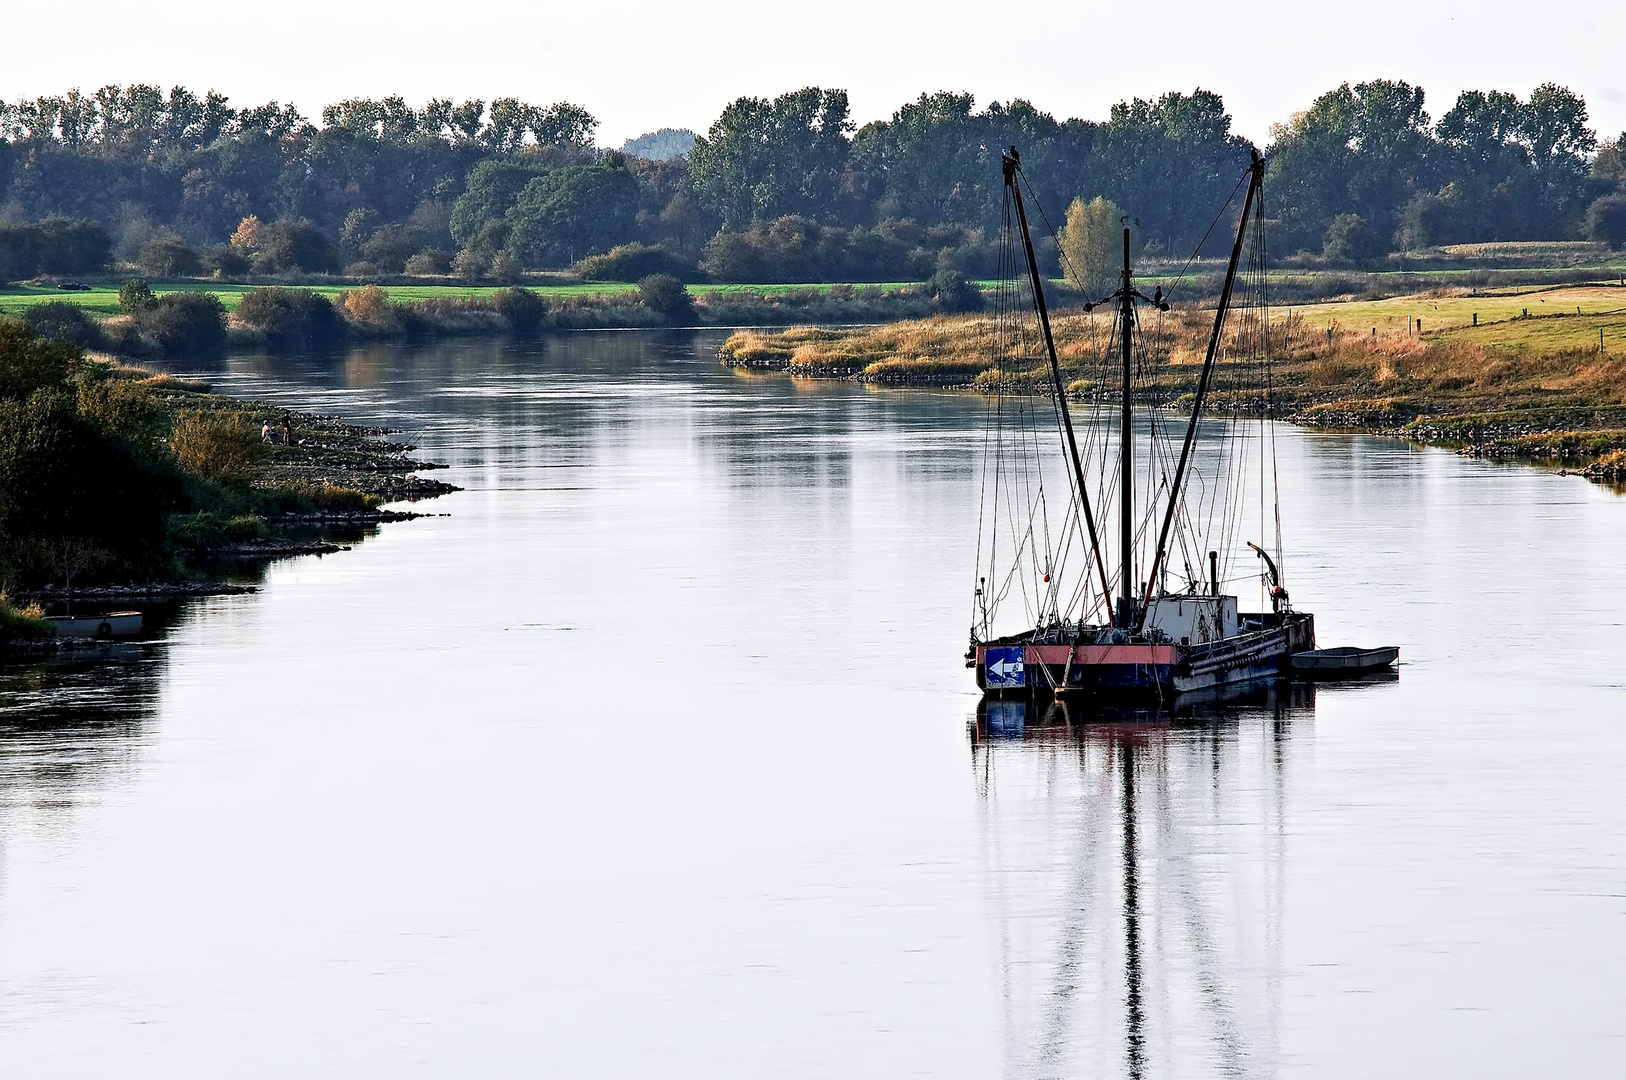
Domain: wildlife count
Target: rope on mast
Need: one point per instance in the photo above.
(1257, 170)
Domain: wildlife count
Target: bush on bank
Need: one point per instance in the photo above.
(99, 480)
(291, 319)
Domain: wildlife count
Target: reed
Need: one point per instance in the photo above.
(22, 620)
(1520, 386)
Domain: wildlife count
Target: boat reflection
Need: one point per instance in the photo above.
(1136, 865)
(71, 727)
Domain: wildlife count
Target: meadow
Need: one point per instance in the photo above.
(1533, 385)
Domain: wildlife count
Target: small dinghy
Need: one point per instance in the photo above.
(1346, 661)
(114, 624)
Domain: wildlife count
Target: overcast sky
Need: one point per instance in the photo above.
(639, 65)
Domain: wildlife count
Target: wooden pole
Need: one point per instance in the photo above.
(1126, 483)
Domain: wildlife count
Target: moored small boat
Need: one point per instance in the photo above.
(112, 624)
(1344, 661)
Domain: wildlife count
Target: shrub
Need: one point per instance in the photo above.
(223, 260)
(950, 291)
(471, 264)
(505, 268)
(225, 449)
(370, 306)
(185, 324)
(29, 362)
(1606, 220)
(291, 319)
(67, 322)
(429, 261)
(246, 237)
(523, 309)
(135, 295)
(169, 256)
(665, 294)
(26, 621)
(1351, 240)
(71, 495)
(338, 497)
(632, 262)
(293, 246)
(124, 408)
(303, 496)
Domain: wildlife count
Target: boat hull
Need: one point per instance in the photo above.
(1339, 663)
(116, 624)
(1012, 669)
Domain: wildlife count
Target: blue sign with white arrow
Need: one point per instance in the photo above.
(1003, 668)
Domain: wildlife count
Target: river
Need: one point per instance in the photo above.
(648, 756)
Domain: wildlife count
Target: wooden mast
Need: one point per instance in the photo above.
(1012, 162)
(1126, 483)
(1256, 179)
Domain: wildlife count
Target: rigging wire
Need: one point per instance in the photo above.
(1038, 561)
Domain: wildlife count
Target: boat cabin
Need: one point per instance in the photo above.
(1193, 619)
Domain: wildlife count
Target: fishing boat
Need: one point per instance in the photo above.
(1142, 614)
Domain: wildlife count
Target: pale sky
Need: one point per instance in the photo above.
(639, 65)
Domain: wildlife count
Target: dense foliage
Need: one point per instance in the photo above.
(83, 484)
(112, 472)
(295, 320)
(781, 189)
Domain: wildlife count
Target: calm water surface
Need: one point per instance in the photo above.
(649, 758)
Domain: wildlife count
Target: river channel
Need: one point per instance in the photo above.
(647, 755)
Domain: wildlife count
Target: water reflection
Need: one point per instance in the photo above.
(1137, 863)
(72, 727)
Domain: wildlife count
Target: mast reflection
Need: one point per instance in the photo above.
(1135, 865)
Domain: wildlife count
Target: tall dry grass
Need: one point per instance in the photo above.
(1557, 402)
(227, 448)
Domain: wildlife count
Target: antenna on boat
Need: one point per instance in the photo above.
(1012, 162)
(1256, 179)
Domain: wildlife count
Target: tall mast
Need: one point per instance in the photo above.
(1012, 162)
(1256, 176)
(1126, 434)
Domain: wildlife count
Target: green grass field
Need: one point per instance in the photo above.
(1565, 317)
(104, 299)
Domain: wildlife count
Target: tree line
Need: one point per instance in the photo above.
(781, 189)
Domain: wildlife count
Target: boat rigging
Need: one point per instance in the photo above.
(1095, 631)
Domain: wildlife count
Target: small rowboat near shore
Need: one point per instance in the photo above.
(114, 624)
(1332, 663)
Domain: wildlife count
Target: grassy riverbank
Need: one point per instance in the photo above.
(441, 310)
(1530, 380)
(102, 298)
(190, 320)
(110, 472)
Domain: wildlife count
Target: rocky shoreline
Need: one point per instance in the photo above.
(305, 452)
(148, 592)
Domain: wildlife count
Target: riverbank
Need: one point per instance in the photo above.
(321, 313)
(1531, 374)
(174, 321)
(119, 484)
